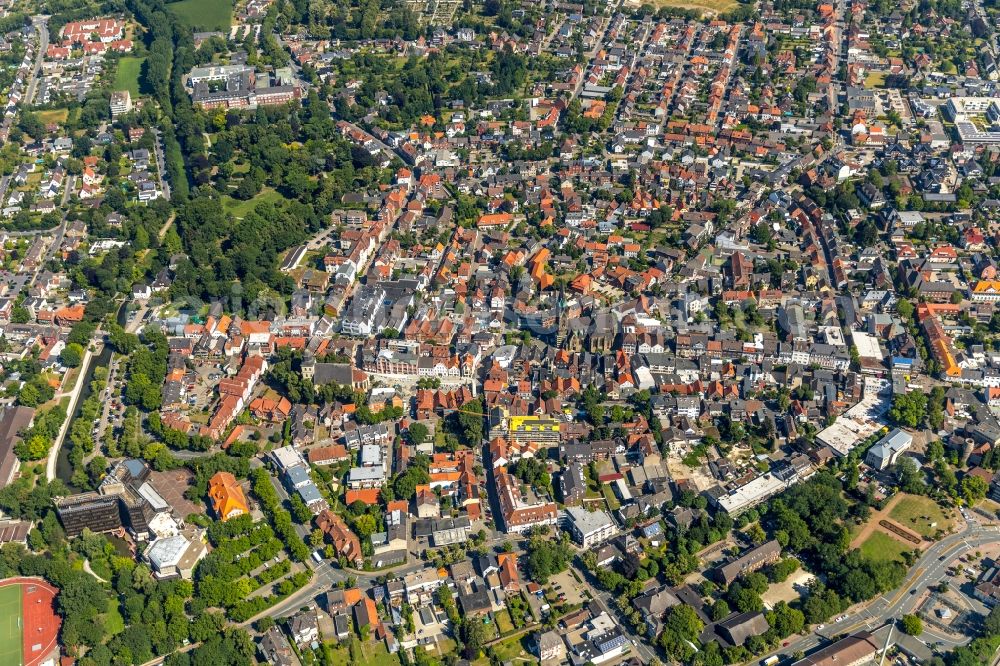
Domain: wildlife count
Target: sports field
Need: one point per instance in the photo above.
(11, 644)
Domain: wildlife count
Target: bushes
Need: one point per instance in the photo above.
(780, 571)
(246, 609)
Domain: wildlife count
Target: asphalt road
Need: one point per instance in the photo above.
(41, 24)
(161, 167)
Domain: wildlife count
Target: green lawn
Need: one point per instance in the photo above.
(370, 653)
(10, 625)
(875, 80)
(921, 514)
(204, 15)
(114, 623)
(609, 495)
(241, 208)
(127, 76)
(513, 649)
(504, 624)
(58, 116)
(883, 548)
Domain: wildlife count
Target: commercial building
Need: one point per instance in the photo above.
(887, 450)
(176, 556)
(977, 119)
(124, 500)
(238, 86)
(765, 486)
(985, 291)
(588, 528)
(345, 542)
(446, 531)
(90, 510)
(541, 430)
(366, 314)
(573, 484)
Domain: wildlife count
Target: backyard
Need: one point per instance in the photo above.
(358, 653)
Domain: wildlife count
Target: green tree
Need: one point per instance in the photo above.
(912, 625)
(418, 433)
(681, 628)
(973, 489)
(909, 409)
(472, 633)
(72, 355)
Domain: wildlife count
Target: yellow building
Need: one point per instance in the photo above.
(541, 429)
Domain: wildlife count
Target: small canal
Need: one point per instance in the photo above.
(64, 470)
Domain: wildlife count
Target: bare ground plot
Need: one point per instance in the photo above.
(706, 6)
(790, 590)
(171, 486)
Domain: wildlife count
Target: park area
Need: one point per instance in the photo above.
(240, 209)
(922, 515)
(881, 547)
(204, 15)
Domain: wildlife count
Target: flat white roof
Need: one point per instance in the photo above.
(756, 491)
(867, 345)
(365, 474)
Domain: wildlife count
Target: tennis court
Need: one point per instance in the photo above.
(11, 643)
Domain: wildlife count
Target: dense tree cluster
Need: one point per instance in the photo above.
(809, 519)
(546, 556)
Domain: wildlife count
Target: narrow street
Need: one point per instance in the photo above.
(74, 397)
